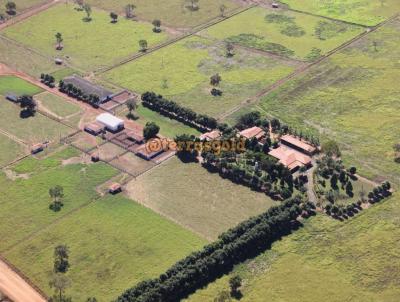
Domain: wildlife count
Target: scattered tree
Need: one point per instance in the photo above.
(150, 130)
(91, 299)
(222, 9)
(223, 296)
(11, 8)
(114, 17)
(129, 9)
(375, 45)
(235, 283)
(59, 40)
(80, 3)
(334, 181)
(396, 149)
(229, 49)
(131, 105)
(143, 45)
(157, 24)
(56, 193)
(331, 148)
(59, 282)
(349, 189)
(61, 255)
(193, 5)
(215, 80)
(88, 10)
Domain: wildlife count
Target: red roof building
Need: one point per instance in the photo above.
(290, 158)
(299, 145)
(256, 132)
(210, 136)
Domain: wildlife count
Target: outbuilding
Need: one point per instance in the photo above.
(115, 188)
(37, 148)
(111, 122)
(94, 128)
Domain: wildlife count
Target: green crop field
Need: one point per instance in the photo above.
(182, 72)
(87, 45)
(352, 98)
(57, 105)
(9, 150)
(31, 130)
(195, 198)
(366, 12)
(11, 84)
(174, 13)
(327, 260)
(114, 242)
(284, 33)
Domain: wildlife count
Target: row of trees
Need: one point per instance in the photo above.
(48, 80)
(238, 244)
(78, 94)
(173, 110)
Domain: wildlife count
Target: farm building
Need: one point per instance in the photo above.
(94, 128)
(122, 97)
(111, 122)
(290, 158)
(297, 144)
(115, 188)
(210, 136)
(136, 137)
(146, 154)
(89, 88)
(254, 132)
(37, 148)
(12, 98)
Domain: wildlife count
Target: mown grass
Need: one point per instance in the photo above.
(352, 98)
(366, 12)
(9, 150)
(195, 198)
(87, 45)
(114, 244)
(31, 130)
(11, 84)
(326, 260)
(182, 72)
(284, 33)
(57, 105)
(172, 13)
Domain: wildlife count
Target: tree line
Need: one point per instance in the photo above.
(175, 111)
(77, 93)
(238, 244)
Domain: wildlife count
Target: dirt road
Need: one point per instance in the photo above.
(15, 287)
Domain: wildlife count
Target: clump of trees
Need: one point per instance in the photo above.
(150, 130)
(235, 283)
(175, 111)
(59, 281)
(238, 244)
(56, 193)
(77, 93)
(48, 80)
(11, 7)
(28, 105)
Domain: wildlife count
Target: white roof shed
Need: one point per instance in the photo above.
(111, 122)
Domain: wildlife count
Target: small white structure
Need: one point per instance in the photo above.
(111, 122)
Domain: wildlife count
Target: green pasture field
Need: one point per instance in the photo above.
(19, 58)
(57, 105)
(327, 260)
(31, 130)
(352, 98)
(114, 244)
(21, 4)
(195, 198)
(9, 150)
(87, 45)
(173, 13)
(11, 84)
(168, 127)
(182, 72)
(366, 12)
(285, 33)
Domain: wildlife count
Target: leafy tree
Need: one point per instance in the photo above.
(157, 24)
(59, 282)
(353, 170)
(131, 105)
(28, 105)
(143, 45)
(88, 10)
(235, 283)
(215, 80)
(11, 8)
(114, 17)
(91, 299)
(193, 5)
(349, 189)
(331, 148)
(334, 181)
(59, 40)
(223, 296)
(229, 49)
(56, 193)
(222, 9)
(150, 130)
(80, 3)
(61, 255)
(129, 9)
(396, 149)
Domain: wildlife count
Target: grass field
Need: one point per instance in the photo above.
(352, 98)
(182, 72)
(168, 127)
(366, 12)
(114, 242)
(327, 260)
(172, 13)
(21, 4)
(30, 130)
(87, 45)
(11, 84)
(57, 105)
(195, 198)
(284, 33)
(9, 150)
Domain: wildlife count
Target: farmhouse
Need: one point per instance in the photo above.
(210, 136)
(111, 122)
(254, 132)
(94, 128)
(297, 144)
(89, 88)
(290, 158)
